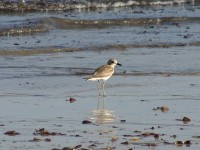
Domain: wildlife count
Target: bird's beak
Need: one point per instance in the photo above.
(119, 64)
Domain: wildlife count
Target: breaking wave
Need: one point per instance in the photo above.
(32, 5)
(45, 24)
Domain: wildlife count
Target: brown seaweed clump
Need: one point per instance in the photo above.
(11, 133)
(44, 132)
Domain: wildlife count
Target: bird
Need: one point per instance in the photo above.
(103, 73)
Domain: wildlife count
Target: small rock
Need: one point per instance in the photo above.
(11, 133)
(179, 143)
(114, 139)
(77, 147)
(156, 136)
(86, 122)
(125, 143)
(47, 140)
(136, 131)
(164, 109)
(122, 121)
(186, 119)
(173, 136)
(71, 100)
(187, 142)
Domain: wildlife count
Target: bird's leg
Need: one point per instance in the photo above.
(98, 102)
(104, 94)
(103, 103)
(98, 88)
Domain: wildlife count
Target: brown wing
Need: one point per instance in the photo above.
(103, 71)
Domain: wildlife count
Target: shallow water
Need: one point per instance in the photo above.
(45, 55)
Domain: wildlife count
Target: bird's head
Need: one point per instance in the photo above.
(113, 62)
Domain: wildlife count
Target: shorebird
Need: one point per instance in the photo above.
(103, 73)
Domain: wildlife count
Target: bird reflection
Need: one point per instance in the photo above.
(101, 114)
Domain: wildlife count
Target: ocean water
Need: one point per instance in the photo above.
(112, 27)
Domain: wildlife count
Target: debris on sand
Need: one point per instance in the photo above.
(184, 119)
(11, 133)
(114, 139)
(68, 148)
(125, 143)
(71, 100)
(86, 122)
(149, 144)
(123, 121)
(38, 140)
(180, 143)
(173, 136)
(162, 108)
(146, 134)
(145, 144)
(188, 142)
(44, 132)
(143, 135)
(134, 139)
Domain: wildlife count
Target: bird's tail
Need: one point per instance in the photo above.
(86, 78)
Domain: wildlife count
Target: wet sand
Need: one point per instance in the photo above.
(36, 98)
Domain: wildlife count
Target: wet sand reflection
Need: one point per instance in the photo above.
(101, 114)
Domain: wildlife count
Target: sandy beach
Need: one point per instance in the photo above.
(130, 107)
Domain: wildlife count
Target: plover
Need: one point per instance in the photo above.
(103, 73)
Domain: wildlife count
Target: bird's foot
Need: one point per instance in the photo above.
(100, 95)
(103, 95)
